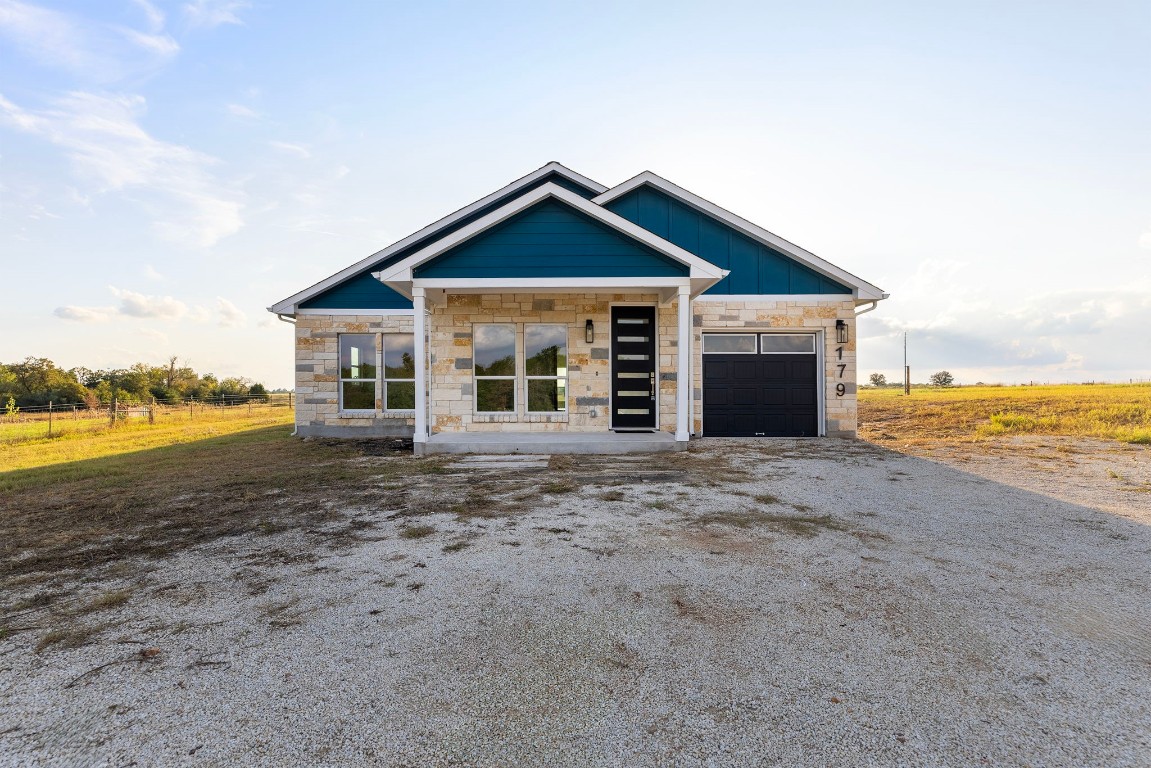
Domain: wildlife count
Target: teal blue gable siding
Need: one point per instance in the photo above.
(755, 268)
(551, 239)
(360, 292)
(356, 289)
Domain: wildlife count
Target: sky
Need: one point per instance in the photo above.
(170, 169)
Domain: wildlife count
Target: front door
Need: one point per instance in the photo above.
(633, 368)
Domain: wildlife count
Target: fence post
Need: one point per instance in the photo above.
(49, 418)
(152, 412)
(191, 414)
(289, 399)
(112, 410)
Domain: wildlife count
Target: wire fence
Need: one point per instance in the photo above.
(54, 419)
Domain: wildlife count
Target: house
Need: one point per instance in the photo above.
(560, 310)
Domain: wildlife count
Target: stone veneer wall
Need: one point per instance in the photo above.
(318, 377)
(589, 366)
(841, 412)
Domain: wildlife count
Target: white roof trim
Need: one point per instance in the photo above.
(862, 288)
(703, 274)
(288, 305)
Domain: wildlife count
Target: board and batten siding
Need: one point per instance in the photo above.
(551, 239)
(358, 292)
(755, 268)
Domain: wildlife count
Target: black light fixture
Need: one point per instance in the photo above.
(589, 331)
(841, 331)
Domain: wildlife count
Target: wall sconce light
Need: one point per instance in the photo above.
(841, 331)
(589, 331)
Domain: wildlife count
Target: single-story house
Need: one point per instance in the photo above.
(560, 310)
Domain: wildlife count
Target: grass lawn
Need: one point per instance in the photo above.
(1107, 411)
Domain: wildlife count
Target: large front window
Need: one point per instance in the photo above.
(546, 367)
(357, 371)
(399, 372)
(494, 353)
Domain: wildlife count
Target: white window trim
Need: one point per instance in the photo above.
(703, 342)
(384, 374)
(527, 378)
(341, 380)
(514, 378)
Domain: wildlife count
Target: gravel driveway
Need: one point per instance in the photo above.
(822, 603)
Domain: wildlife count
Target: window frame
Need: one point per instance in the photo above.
(810, 337)
(374, 380)
(514, 378)
(754, 336)
(385, 379)
(557, 377)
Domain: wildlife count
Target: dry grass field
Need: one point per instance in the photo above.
(1119, 412)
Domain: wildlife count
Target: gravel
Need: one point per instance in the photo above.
(888, 610)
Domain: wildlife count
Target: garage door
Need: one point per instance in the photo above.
(760, 385)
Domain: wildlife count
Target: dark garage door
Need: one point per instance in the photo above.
(748, 395)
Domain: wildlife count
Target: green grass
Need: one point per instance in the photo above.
(68, 458)
(1106, 411)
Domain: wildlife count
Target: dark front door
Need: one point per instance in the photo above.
(633, 364)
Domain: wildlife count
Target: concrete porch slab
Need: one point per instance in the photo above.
(549, 442)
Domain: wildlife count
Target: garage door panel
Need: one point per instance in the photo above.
(774, 395)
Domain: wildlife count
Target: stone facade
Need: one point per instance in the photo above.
(589, 365)
(451, 382)
(800, 316)
(318, 377)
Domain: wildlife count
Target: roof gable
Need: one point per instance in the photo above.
(701, 273)
(550, 239)
(766, 272)
(332, 290)
(755, 268)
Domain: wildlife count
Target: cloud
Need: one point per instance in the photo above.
(153, 14)
(239, 110)
(102, 136)
(1145, 240)
(152, 274)
(291, 149)
(1062, 336)
(213, 13)
(85, 314)
(95, 51)
(231, 316)
(135, 304)
(147, 307)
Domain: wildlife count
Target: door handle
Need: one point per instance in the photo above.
(653, 385)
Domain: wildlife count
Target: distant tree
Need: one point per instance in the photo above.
(878, 380)
(941, 379)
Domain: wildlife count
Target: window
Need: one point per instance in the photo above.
(786, 344)
(494, 357)
(399, 372)
(546, 367)
(357, 371)
(729, 343)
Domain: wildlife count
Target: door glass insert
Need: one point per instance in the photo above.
(786, 343)
(729, 343)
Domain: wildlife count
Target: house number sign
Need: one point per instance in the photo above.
(840, 388)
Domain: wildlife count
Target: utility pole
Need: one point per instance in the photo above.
(906, 368)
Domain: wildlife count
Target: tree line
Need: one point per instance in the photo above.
(38, 381)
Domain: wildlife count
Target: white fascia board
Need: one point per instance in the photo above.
(288, 305)
(548, 284)
(364, 312)
(771, 298)
(863, 289)
(399, 275)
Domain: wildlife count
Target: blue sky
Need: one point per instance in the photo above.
(170, 169)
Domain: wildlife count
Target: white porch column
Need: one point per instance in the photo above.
(683, 372)
(419, 330)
